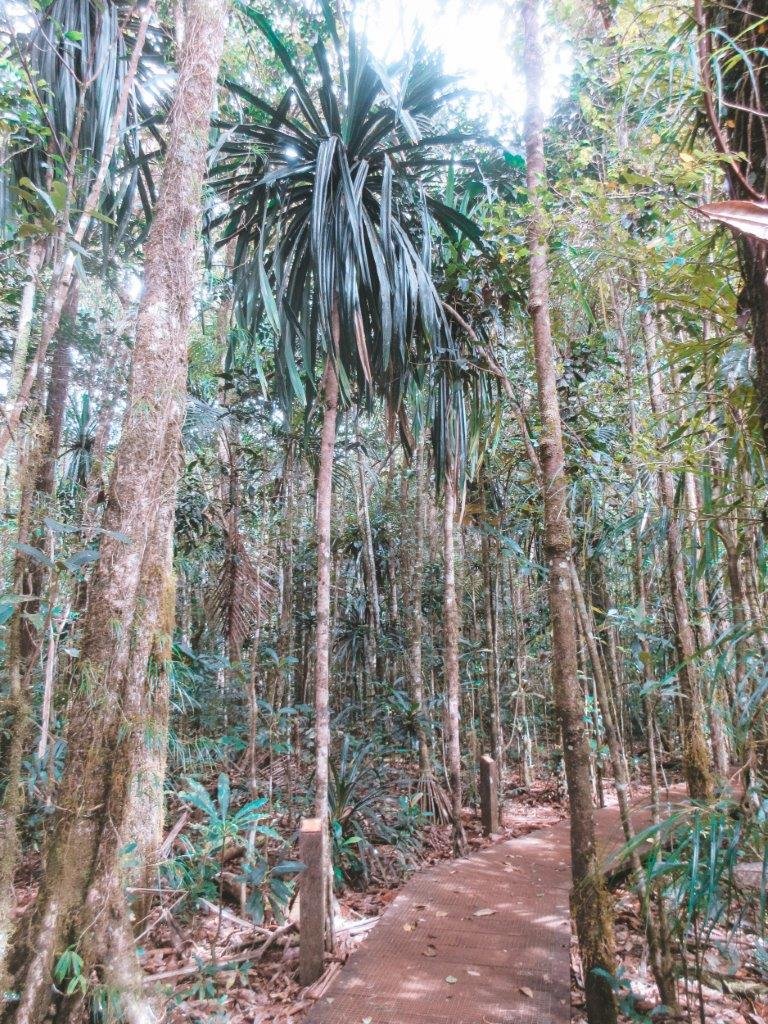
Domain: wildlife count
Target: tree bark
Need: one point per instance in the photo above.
(58, 387)
(492, 658)
(415, 618)
(590, 900)
(369, 566)
(35, 260)
(285, 637)
(323, 609)
(81, 900)
(696, 765)
(451, 630)
(739, 133)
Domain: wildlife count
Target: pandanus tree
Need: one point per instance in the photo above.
(334, 215)
(92, 69)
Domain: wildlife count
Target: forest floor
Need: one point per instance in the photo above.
(214, 965)
(264, 989)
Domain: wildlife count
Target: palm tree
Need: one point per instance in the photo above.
(330, 200)
(92, 67)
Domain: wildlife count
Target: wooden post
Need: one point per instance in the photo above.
(311, 901)
(489, 795)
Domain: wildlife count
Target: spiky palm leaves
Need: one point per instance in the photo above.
(331, 206)
(76, 55)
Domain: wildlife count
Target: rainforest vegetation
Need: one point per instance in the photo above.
(355, 426)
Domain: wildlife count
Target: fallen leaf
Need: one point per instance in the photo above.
(408, 927)
(526, 992)
(429, 951)
(485, 912)
(451, 980)
(441, 913)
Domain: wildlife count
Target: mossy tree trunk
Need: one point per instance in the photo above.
(81, 902)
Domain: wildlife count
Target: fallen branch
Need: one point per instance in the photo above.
(224, 962)
(364, 924)
(173, 835)
(320, 987)
(233, 918)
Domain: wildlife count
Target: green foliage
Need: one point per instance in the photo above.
(693, 866)
(332, 211)
(68, 972)
(199, 870)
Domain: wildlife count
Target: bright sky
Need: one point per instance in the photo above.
(478, 39)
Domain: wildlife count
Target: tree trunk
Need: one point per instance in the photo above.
(35, 261)
(492, 656)
(55, 406)
(369, 567)
(323, 612)
(64, 270)
(695, 753)
(285, 636)
(716, 711)
(415, 620)
(323, 627)
(591, 902)
(734, 106)
(451, 629)
(81, 900)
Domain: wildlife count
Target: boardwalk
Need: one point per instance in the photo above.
(480, 940)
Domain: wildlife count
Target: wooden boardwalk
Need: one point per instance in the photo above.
(480, 940)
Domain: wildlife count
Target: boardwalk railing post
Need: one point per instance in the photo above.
(311, 901)
(489, 795)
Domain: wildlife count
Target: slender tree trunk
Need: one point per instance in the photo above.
(492, 655)
(369, 564)
(285, 629)
(65, 266)
(58, 388)
(695, 753)
(716, 711)
(323, 620)
(591, 902)
(451, 630)
(81, 900)
(35, 259)
(323, 612)
(415, 618)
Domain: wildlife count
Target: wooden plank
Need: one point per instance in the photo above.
(489, 796)
(482, 939)
(311, 901)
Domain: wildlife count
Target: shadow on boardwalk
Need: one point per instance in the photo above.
(480, 940)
